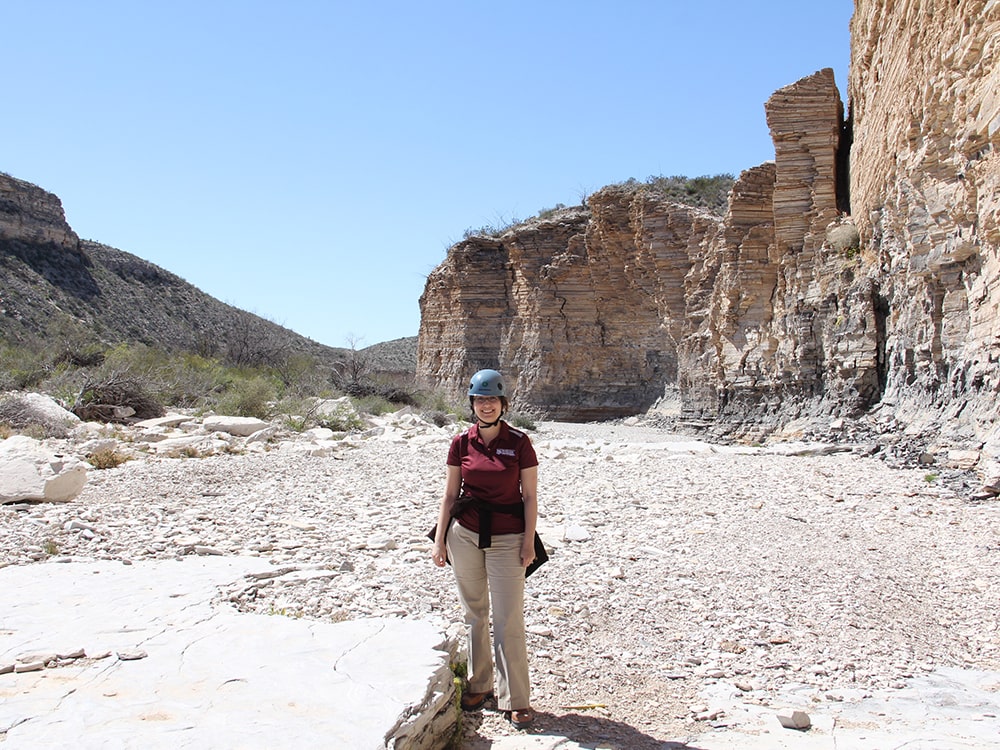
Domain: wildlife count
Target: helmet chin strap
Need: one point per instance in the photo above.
(489, 424)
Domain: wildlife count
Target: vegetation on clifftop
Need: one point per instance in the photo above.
(710, 192)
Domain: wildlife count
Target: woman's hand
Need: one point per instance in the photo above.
(527, 551)
(439, 555)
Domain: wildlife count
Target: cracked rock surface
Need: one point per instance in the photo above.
(693, 591)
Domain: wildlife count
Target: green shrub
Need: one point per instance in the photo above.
(341, 420)
(23, 367)
(296, 412)
(522, 421)
(710, 192)
(192, 381)
(374, 405)
(252, 396)
(546, 213)
(445, 403)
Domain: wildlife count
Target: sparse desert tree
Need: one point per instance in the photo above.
(252, 342)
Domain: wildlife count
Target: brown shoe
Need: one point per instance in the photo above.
(475, 701)
(521, 718)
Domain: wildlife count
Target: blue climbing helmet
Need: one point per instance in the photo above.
(487, 383)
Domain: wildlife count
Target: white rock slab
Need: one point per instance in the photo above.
(45, 409)
(30, 472)
(949, 708)
(212, 677)
(239, 426)
(170, 420)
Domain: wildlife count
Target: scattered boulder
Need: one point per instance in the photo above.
(21, 410)
(29, 472)
(795, 720)
(962, 459)
(239, 426)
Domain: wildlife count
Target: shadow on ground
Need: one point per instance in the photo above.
(479, 732)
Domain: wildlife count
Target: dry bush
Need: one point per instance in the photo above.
(116, 398)
(106, 459)
(18, 414)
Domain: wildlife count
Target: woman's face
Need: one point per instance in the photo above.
(487, 408)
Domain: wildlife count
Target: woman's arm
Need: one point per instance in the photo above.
(529, 493)
(453, 486)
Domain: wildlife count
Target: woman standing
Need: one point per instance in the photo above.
(486, 527)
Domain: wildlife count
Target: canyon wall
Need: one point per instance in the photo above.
(852, 278)
(925, 195)
(605, 311)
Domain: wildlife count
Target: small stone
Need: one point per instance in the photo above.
(77, 525)
(575, 534)
(795, 720)
(44, 658)
(132, 655)
(200, 549)
(33, 666)
(381, 543)
(300, 524)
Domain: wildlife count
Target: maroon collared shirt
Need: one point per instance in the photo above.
(493, 473)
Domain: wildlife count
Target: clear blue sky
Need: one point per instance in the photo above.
(312, 161)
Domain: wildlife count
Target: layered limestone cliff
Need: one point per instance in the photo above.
(583, 312)
(601, 313)
(854, 276)
(925, 195)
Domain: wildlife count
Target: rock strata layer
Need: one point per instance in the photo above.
(858, 271)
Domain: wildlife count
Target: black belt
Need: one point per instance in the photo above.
(486, 510)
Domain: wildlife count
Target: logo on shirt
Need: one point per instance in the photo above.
(506, 452)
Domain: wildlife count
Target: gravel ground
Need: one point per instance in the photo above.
(692, 565)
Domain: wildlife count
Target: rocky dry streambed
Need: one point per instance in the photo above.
(679, 570)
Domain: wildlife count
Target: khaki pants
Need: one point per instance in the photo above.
(484, 575)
